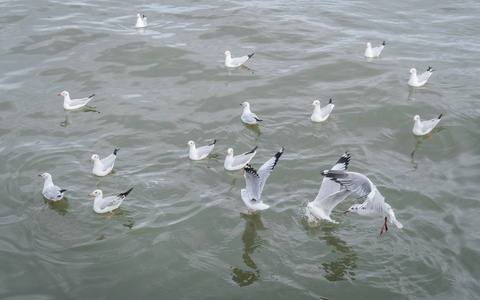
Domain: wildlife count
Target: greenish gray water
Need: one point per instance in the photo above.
(181, 233)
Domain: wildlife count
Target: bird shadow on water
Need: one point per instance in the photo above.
(61, 206)
(419, 140)
(251, 241)
(254, 128)
(68, 115)
(340, 264)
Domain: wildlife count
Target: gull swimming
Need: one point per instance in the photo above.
(141, 21)
(108, 204)
(255, 181)
(329, 194)
(238, 162)
(424, 127)
(236, 61)
(321, 114)
(102, 167)
(70, 104)
(200, 152)
(248, 116)
(417, 81)
(51, 191)
(375, 51)
(374, 205)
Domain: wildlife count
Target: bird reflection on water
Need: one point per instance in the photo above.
(251, 241)
(340, 263)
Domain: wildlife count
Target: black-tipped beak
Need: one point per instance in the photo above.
(347, 211)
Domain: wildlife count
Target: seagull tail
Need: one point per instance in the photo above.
(398, 224)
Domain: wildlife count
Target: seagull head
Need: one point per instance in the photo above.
(417, 117)
(369, 45)
(227, 53)
(64, 94)
(412, 71)
(138, 16)
(353, 208)
(96, 193)
(45, 175)
(191, 143)
(229, 151)
(94, 157)
(246, 104)
(315, 103)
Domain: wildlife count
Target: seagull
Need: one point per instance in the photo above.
(247, 116)
(70, 104)
(374, 52)
(374, 205)
(329, 194)
(417, 81)
(237, 61)
(255, 181)
(200, 152)
(238, 162)
(141, 21)
(321, 114)
(102, 167)
(424, 127)
(102, 205)
(51, 191)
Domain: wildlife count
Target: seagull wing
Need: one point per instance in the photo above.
(355, 182)
(329, 186)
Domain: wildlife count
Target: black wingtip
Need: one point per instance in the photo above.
(249, 169)
(144, 16)
(345, 159)
(440, 116)
(258, 120)
(63, 191)
(126, 193)
(384, 43)
(91, 96)
(251, 151)
(250, 55)
(330, 102)
(115, 151)
(279, 153)
(213, 143)
(430, 69)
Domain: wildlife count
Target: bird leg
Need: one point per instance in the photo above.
(384, 226)
(108, 218)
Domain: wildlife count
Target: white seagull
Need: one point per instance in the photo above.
(255, 181)
(237, 61)
(329, 194)
(141, 21)
(70, 104)
(233, 163)
(375, 51)
(102, 167)
(424, 127)
(200, 152)
(248, 116)
(102, 205)
(321, 114)
(374, 205)
(51, 191)
(417, 81)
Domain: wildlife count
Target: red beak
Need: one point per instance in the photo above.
(346, 211)
(39, 175)
(59, 94)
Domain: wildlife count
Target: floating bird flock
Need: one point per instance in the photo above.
(330, 193)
